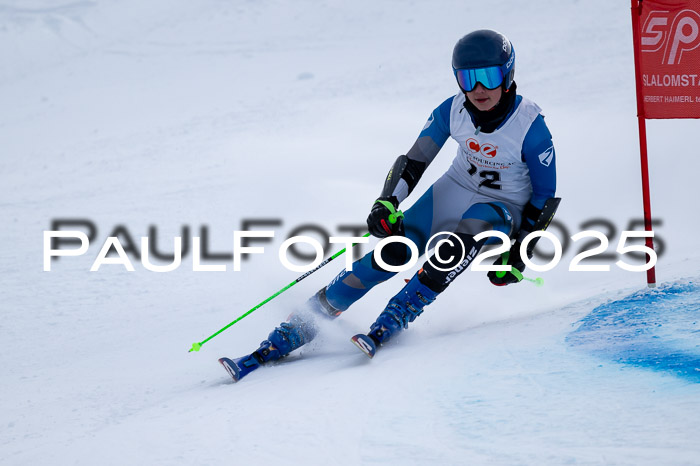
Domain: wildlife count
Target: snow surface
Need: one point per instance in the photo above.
(175, 113)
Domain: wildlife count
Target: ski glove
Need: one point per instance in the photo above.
(513, 259)
(384, 219)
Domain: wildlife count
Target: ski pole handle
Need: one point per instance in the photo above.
(393, 218)
(395, 215)
(539, 281)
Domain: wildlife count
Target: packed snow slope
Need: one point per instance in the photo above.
(176, 118)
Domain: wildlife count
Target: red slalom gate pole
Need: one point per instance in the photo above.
(646, 196)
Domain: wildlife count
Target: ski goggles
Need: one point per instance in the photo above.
(490, 77)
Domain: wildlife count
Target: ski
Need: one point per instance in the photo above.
(240, 367)
(366, 344)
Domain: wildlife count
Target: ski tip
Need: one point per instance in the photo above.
(366, 344)
(231, 368)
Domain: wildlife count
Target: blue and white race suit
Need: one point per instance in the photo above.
(493, 176)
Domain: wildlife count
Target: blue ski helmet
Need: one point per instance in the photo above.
(484, 56)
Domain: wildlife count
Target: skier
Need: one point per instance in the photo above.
(503, 178)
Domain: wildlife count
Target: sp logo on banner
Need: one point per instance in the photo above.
(669, 54)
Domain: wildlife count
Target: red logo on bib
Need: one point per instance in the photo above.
(473, 145)
(488, 150)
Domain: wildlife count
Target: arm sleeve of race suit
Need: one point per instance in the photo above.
(430, 140)
(538, 154)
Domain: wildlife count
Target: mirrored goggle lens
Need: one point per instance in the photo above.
(490, 77)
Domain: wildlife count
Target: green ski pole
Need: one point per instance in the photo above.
(198, 345)
(539, 281)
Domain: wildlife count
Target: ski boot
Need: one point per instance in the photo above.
(399, 312)
(296, 332)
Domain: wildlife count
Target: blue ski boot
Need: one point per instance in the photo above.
(400, 311)
(295, 333)
(239, 368)
(281, 341)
